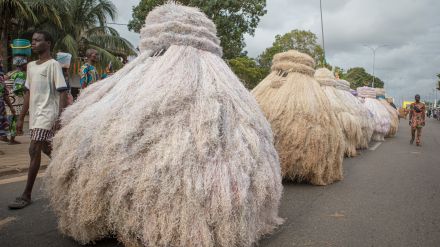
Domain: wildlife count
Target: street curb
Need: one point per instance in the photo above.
(18, 171)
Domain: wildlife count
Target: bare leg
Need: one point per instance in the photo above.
(12, 141)
(413, 135)
(419, 134)
(35, 149)
(47, 148)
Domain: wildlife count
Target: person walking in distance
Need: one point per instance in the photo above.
(4, 101)
(88, 72)
(416, 119)
(45, 98)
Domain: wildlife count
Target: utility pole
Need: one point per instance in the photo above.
(322, 32)
(374, 49)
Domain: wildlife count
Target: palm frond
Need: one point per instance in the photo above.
(102, 30)
(74, 24)
(48, 9)
(17, 8)
(114, 44)
(67, 44)
(102, 10)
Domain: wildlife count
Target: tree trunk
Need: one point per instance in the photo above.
(4, 42)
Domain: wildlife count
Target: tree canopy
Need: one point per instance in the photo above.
(84, 26)
(300, 40)
(18, 16)
(251, 72)
(358, 77)
(75, 25)
(232, 18)
(247, 70)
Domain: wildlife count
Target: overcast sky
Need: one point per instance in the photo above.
(410, 29)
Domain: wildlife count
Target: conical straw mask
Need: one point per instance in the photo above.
(325, 77)
(293, 61)
(174, 24)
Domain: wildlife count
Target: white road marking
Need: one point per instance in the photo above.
(7, 220)
(18, 179)
(375, 146)
(337, 215)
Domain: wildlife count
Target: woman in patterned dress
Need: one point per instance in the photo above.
(4, 100)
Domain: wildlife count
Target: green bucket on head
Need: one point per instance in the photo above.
(21, 47)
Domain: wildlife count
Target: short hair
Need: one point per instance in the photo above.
(46, 35)
(417, 96)
(90, 51)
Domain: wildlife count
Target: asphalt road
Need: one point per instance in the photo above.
(390, 197)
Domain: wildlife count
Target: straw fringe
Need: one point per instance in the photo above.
(177, 154)
(394, 124)
(307, 135)
(382, 119)
(361, 113)
(98, 90)
(347, 118)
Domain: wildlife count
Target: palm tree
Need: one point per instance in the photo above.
(75, 25)
(84, 26)
(17, 15)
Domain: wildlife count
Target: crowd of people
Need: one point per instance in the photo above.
(433, 112)
(197, 159)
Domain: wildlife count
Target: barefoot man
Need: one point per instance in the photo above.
(45, 98)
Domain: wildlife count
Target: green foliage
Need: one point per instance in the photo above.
(247, 70)
(438, 82)
(84, 26)
(338, 71)
(18, 15)
(232, 18)
(358, 77)
(300, 40)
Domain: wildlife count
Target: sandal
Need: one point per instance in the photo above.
(19, 203)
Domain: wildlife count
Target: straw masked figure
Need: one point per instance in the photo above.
(348, 121)
(170, 151)
(382, 119)
(358, 110)
(307, 135)
(394, 114)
